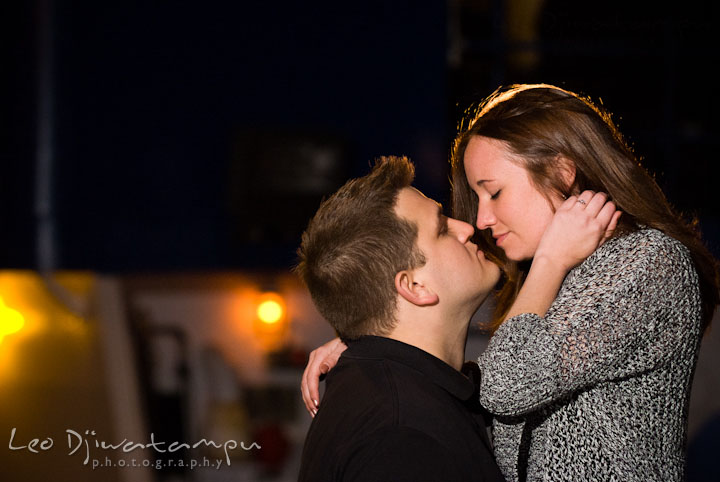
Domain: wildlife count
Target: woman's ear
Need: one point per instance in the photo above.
(412, 289)
(567, 173)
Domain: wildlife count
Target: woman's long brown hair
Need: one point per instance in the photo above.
(546, 126)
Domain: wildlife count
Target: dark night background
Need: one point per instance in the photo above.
(199, 136)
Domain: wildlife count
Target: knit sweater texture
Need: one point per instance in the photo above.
(598, 388)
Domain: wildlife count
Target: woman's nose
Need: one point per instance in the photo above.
(485, 218)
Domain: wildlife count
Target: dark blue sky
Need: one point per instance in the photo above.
(188, 135)
(150, 101)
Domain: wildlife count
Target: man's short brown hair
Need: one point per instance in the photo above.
(355, 245)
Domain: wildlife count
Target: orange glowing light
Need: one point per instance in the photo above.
(11, 321)
(270, 311)
(270, 323)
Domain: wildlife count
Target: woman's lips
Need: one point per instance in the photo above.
(499, 239)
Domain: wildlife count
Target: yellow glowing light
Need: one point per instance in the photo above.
(270, 311)
(11, 321)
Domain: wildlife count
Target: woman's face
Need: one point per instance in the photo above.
(508, 202)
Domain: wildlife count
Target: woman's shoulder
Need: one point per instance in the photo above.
(646, 260)
(645, 241)
(643, 249)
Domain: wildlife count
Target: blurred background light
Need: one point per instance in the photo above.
(271, 323)
(271, 309)
(11, 321)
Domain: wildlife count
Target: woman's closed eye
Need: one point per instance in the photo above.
(497, 193)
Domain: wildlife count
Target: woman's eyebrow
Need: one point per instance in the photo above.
(483, 181)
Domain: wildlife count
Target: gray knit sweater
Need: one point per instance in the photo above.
(598, 389)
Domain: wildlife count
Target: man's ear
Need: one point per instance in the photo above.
(410, 287)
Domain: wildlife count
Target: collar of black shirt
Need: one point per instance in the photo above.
(459, 385)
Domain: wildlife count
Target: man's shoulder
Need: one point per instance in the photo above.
(389, 395)
(384, 381)
(358, 404)
(394, 452)
(376, 407)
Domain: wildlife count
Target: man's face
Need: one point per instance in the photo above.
(457, 270)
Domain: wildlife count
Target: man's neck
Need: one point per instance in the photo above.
(446, 342)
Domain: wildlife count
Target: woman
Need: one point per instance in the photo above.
(589, 368)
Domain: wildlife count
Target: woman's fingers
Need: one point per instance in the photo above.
(611, 226)
(309, 398)
(320, 361)
(596, 206)
(584, 199)
(596, 203)
(310, 385)
(605, 213)
(579, 226)
(579, 202)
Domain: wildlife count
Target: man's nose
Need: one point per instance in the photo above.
(463, 230)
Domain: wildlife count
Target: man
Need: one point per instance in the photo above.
(399, 282)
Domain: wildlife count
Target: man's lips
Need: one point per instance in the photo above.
(478, 252)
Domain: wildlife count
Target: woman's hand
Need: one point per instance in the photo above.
(580, 225)
(321, 361)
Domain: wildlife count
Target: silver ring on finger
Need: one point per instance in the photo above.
(581, 201)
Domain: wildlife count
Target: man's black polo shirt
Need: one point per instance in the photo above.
(392, 412)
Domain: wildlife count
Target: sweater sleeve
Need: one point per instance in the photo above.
(625, 310)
